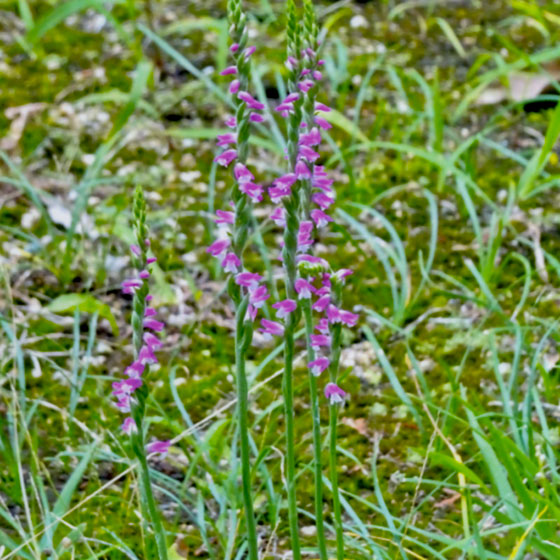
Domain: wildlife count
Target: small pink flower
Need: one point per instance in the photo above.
(129, 426)
(144, 274)
(135, 369)
(146, 355)
(284, 308)
(252, 190)
(161, 447)
(324, 124)
(322, 107)
(311, 138)
(322, 200)
(258, 296)
(321, 304)
(318, 366)
(308, 153)
(242, 174)
(317, 75)
(130, 286)
(290, 98)
(229, 71)
(150, 312)
(348, 318)
(226, 139)
(303, 288)
(153, 325)
(270, 328)
(152, 341)
(302, 171)
(218, 247)
(234, 86)
(323, 325)
(230, 122)
(278, 216)
(305, 85)
(151, 260)
(225, 158)
(318, 340)
(333, 314)
(343, 273)
(249, 51)
(334, 393)
(279, 192)
(234, 47)
(224, 217)
(248, 279)
(251, 102)
(256, 118)
(320, 218)
(231, 263)
(136, 250)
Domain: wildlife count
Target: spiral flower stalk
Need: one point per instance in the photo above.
(131, 393)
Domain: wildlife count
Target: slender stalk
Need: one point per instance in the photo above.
(289, 257)
(149, 505)
(336, 331)
(242, 416)
(316, 417)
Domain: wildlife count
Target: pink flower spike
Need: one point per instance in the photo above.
(242, 174)
(324, 124)
(258, 296)
(231, 263)
(161, 447)
(302, 171)
(152, 341)
(320, 218)
(270, 328)
(229, 71)
(136, 250)
(334, 393)
(129, 426)
(322, 107)
(318, 366)
(303, 288)
(234, 86)
(226, 139)
(321, 304)
(224, 217)
(256, 118)
(151, 260)
(225, 158)
(318, 340)
(348, 318)
(153, 325)
(218, 247)
(248, 279)
(144, 274)
(284, 308)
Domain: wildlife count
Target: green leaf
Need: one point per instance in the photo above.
(86, 303)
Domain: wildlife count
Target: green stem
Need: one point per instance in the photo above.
(315, 415)
(333, 421)
(288, 392)
(336, 332)
(148, 502)
(242, 414)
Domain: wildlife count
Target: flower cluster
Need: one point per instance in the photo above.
(146, 341)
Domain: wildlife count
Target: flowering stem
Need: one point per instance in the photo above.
(336, 331)
(315, 415)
